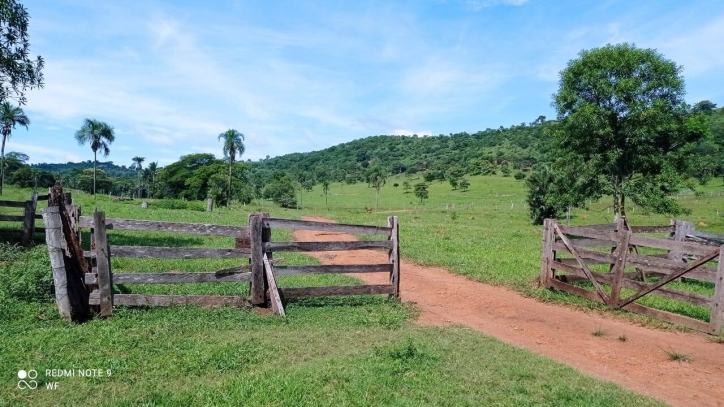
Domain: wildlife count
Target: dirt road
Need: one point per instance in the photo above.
(564, 334)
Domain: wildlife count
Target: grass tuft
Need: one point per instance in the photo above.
(676, 356)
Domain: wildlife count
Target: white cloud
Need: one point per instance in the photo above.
(42, 154)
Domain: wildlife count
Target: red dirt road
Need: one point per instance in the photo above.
(560, 333)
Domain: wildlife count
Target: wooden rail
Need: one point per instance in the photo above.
(560, 273)
(27, 218)
(252, 242)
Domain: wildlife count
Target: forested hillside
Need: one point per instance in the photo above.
(484, 152)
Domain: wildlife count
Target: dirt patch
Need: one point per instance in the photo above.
(639, 363)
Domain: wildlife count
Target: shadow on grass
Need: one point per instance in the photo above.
(341, 301)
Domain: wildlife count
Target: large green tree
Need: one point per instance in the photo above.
(233, 146)
(10, 116)
(18, 72)
(100, 136)
(624, 128)
(138, 167)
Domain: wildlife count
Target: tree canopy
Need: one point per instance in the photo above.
(624, 129)
(18, 71)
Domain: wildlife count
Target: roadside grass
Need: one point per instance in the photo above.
(328, 351)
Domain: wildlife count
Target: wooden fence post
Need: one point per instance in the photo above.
(68, 198)
(56, 245)
(256, 291)
(209, 205)
(103, 264)
(28, 223)
(392, 222)
(547, 255)
(617, 268)
(717, 302)
(681, 229)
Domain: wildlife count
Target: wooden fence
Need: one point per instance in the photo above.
(252, 242)
(27, 219)
(622, 250)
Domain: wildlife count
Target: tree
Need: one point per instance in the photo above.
(325, 189)
(10, 116)
(138, 166)
(406, 186)
(421, 191)
(464, 184)
(376, 177)
(233, 146)
(150, 175)
(100, 136)
(453, 183)
(18, 73)
(624, 126)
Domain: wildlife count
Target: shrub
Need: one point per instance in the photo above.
(26, 274)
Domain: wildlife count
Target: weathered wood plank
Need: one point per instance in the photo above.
(143, 300)
(574, 262)
(585, 242)
(171, 278)
(13, 204)
(12, 218)
(28, 223)
(55, 241)
(617, 269)
(682, 247)
(103, 264)
(257, 289)
(709, 236)
(171, 227)
(671, 293)
(659, 265)
(337, 290)
(717, 304)
(633, 307)
(645, 290)
(333, 269)
(652, 229)
(326, 246)
(601, 226)
(547, 254)
(394, 254)
(274, 297)
(175, 252)
(585, 231)
(600, 257)
(326, 227)
(585, 269)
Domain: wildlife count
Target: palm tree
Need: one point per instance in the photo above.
(150, 175)
(9, 117)
(325, 189)
(377, 177)
(138, 166)
(99, 135)
(233, 146)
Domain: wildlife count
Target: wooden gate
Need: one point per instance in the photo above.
(619, 248)
(253, 244)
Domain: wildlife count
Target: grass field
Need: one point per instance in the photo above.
(333, 351)
(487, 235)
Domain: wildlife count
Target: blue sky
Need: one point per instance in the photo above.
(301, 76)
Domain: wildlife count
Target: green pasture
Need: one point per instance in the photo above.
(333, 351)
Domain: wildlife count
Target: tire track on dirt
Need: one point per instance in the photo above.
(564, 334)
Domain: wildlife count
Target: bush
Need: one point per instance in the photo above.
(519, 176)
(26, 274)
(179, 204)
